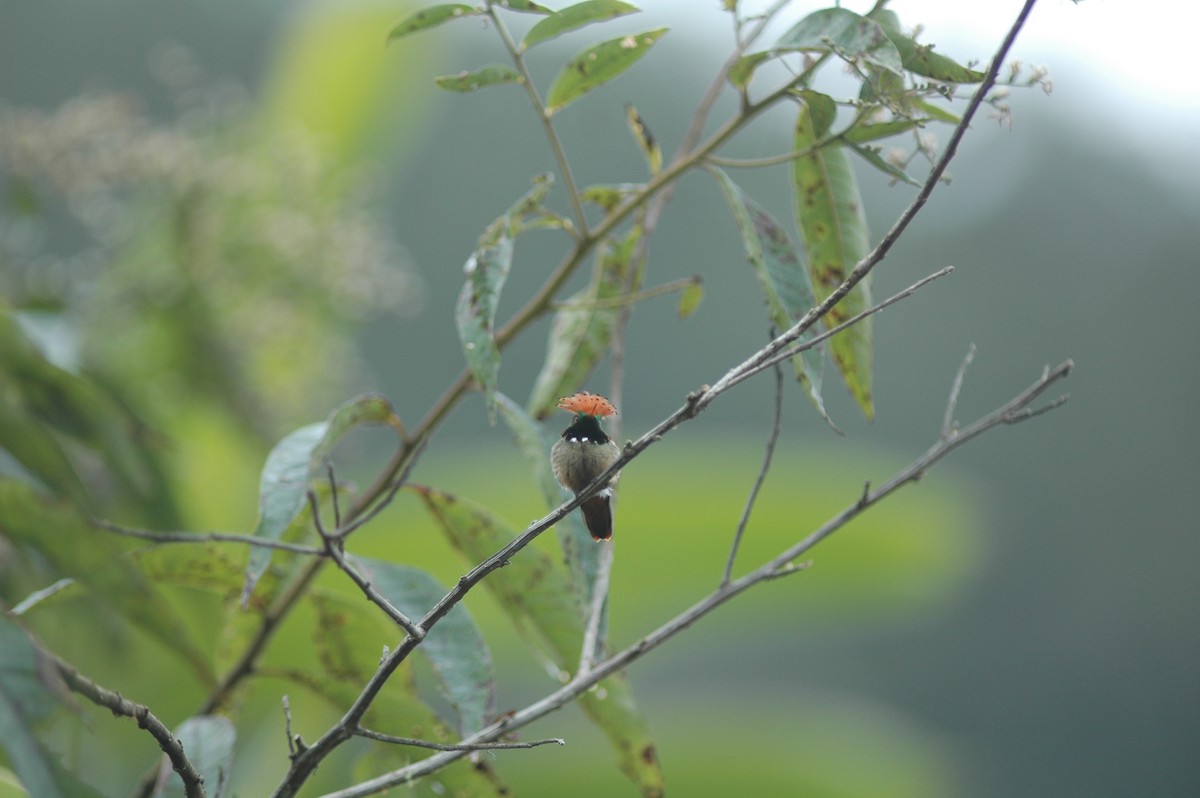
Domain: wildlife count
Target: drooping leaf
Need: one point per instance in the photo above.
(76, 549)
(28, 694)
(651, 151)
(40, 455)
(430, 17)
(478, 79)
(782, 276)
(534, 590)
(871, 155)
(291, 467)
(936, 111)
(833, 228)
(597, 65)
(580, 551)
(842, 32)
(822, 110)
(574, 17)
(487, 270)
(454, 646)
(583, 327)
(208, 742)
(920, 59)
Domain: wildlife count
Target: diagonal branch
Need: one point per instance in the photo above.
(1013, 411)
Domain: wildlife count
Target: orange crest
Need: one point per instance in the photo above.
(589, 404)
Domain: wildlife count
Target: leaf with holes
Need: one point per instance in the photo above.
(781, 275)
(833, 228)
(597, 65)
(494, 75)
(573, 17)
(430, 17)
(841, 32)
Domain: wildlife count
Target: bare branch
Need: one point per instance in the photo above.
(591, 636)
(776, 424)
(193, 780)
(952, 402)
(781, 565)
(203, 537)
(388, 738)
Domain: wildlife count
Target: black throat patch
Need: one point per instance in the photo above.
(585, 429)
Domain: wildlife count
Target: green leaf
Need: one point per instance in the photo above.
(75, 549)
(833, 228)
(920, 59)
(936, 111)
(580, 551)
(40, 454)
(534, 590)
(481, 78)
(487, 270)
(864, 132)
(843, 33)
(607, 197)
(690, 299)
(781, 275)
(597, 65)
(871, 155)
(524, 6)
(291, 467)
(821, 109)
(574, 17)
(583, 327)
(744, 69)
(430, 17)
(208, 742)
(454, 646)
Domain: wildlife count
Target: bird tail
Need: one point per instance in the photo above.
(597, 514)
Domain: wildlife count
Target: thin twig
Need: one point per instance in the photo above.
(955, 388)
(776, 424)
(389, 738)
(335, 552)
(631, 299)
(785, 563)
(592, 644)
(203, 537)
(193, 779)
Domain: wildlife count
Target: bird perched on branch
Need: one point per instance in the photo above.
(584, 453)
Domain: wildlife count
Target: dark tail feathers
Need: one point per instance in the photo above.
(597, 514)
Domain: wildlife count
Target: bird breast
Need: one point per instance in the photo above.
(577, 462)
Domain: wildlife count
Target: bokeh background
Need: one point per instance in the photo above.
(1022, 622)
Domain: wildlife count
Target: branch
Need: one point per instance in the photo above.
(1014, 411)
(193, 780)
(203, 537)
(388, 738)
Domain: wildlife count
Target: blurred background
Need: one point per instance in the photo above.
(1021, 622)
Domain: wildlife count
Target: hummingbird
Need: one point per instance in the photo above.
(583, 453)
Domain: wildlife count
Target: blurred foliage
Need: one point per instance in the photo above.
(180, 293)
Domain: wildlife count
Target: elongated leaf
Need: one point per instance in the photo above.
(597, 65)
(583, 328)
(834, 230)
(480, 78)
(208, 742)
(871, 155)
(90, 556)
(455, 647)
(574, 17)
(936, 111)
(862, 133)
(690, 299)
(525, 6)
(430, 17)
(292, 465)
(40, 455)
(920, 59)
(580, 552)
(781, 275)
(535, 592)
(645, 139)
(487, 270)
(844, 33)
